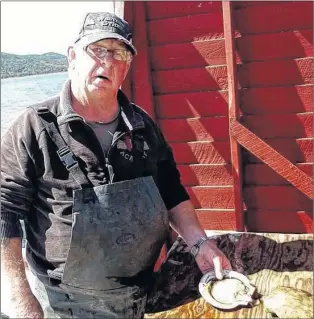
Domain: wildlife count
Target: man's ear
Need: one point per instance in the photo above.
(71, 56)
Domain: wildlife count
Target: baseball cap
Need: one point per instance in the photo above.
(105, 25)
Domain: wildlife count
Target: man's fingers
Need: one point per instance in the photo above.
(217, 266)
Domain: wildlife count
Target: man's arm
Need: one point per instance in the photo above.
(17, 190)
(23, 303)
(185, 222)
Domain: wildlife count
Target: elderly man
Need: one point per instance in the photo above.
(96, 184)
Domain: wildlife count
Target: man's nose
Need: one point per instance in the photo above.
(107, 60)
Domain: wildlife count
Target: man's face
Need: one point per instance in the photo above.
(96, 71)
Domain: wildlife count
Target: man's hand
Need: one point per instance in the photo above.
(210, 257)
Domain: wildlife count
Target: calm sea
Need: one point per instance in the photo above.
(17, 93)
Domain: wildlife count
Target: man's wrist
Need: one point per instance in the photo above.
(196, 247)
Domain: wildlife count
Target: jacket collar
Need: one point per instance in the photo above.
(131, 119)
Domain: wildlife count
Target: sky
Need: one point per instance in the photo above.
(41, 27)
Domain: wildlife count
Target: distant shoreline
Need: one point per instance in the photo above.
(23, 76)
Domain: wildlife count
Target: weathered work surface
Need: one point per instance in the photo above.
(269, 260)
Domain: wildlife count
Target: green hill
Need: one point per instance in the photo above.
(13, 65)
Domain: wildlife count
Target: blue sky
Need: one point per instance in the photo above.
(40, 27)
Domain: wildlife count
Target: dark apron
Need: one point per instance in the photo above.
(117, 234)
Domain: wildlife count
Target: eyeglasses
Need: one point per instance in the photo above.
(101, 53)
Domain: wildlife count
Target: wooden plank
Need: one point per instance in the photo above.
(206, 175)
(168, 9)
(188, 55)
(216, 220)
(200, 104)
(195, 129)
(272, 221)
(141, 72)
(234, 111)
(201, 152)
(283, 45)
(273, 159)
(198, 27)
(189, 80)
(276, 73)
(212, 197)
(285, 125)
(283, 16)
(277, 100)
(294, 150)
(261, 174)
(285, 198)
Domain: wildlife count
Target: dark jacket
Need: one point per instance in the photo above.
(36, 187)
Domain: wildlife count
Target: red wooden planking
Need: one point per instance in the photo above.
(186, 29)
(262, 174)
(189, 80)
(272, 158)
(128, 16)
(280, 221)
(276, 198)
(245, 4)
(295, 150)
(255, 198)
(141, 72)
(285, 125)
(275, 18)
(167, 9)
(290, 44)
(195, 129)
(212, 197)
(201, 152)
(216, 220)
(276, 73)
(295, 99)
(192, 104)
(188, 55)
(206, 175)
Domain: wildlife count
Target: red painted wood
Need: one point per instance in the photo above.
(198, 27)
(221, 175)
(234, 112)
(141, 72)
(259, 197)
(128, 16)
(293, 99)
(290, 44)
(206, 175)
(273, 159)
(216, 220)
(245, 4)
(212, 197)
(188, 55)
(201, 152)
(169, 9)
(192, 104)
(189, 80)
(194, 129)
(283, 16)
(294, 150)
(280, 221)
(276, 198)
(275, 126)
(262, 174)
(276, 73)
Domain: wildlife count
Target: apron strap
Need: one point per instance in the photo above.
(65, 154)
